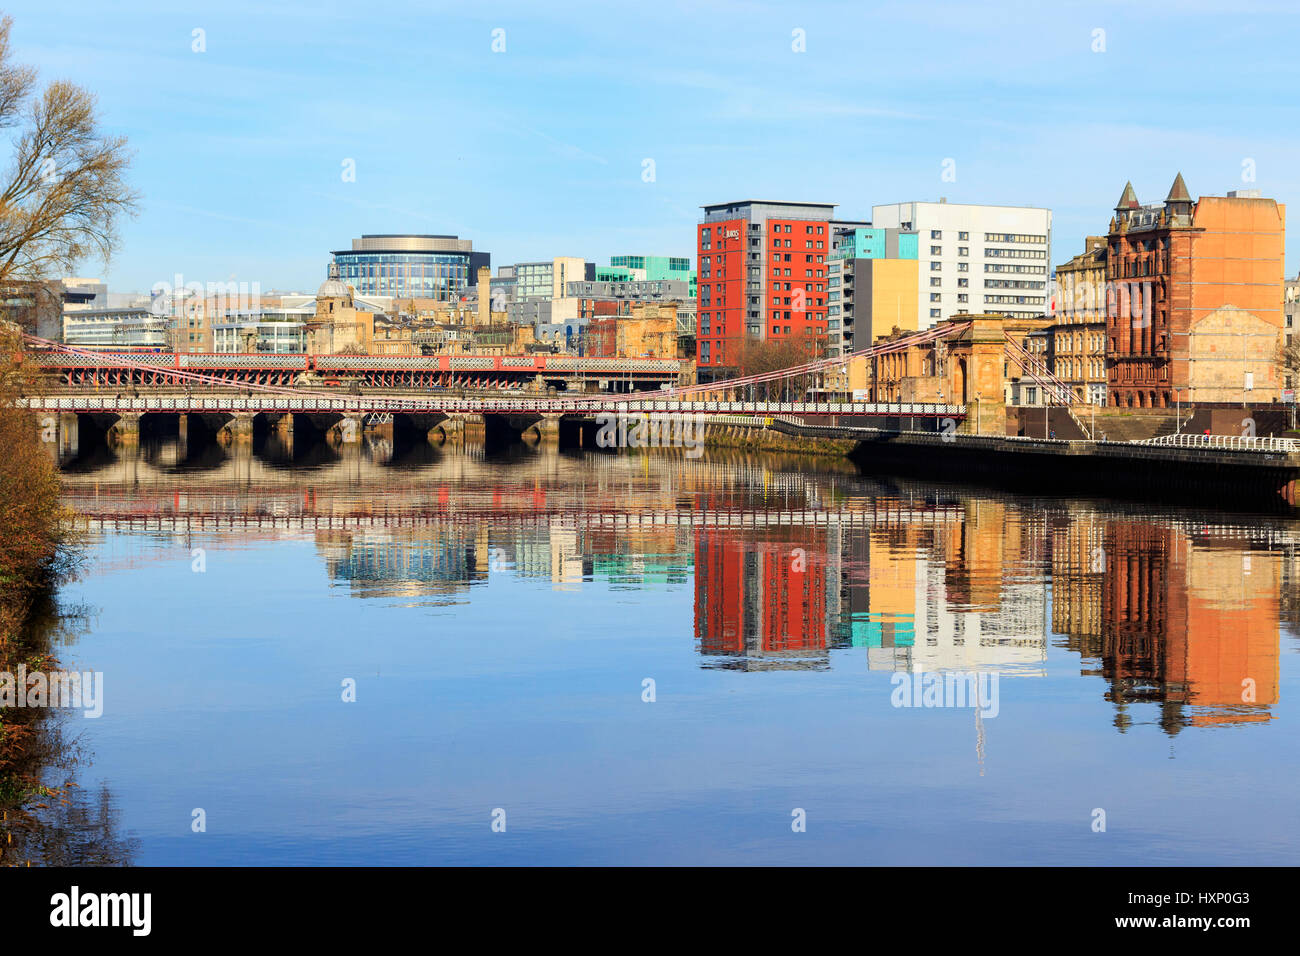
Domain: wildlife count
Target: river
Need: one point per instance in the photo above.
(519, 655)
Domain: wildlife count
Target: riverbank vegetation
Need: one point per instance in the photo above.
(62, 196)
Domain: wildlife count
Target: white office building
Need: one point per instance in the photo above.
(976, 259)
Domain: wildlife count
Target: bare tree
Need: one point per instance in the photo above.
(64, 191)
(1289, 359)
(757, 356)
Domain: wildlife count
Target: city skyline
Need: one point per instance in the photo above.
(541, 149)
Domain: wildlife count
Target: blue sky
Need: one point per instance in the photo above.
(538, 151)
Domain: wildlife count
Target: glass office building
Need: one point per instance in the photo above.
(650, 268)
(411, 266)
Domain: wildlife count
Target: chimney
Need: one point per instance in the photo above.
(484, 295)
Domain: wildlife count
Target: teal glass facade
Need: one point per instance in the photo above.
(870, 243)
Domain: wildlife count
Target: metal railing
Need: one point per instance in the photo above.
(427, 402)
(1226, 442)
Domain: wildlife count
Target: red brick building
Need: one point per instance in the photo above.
(1194, 299)
(762, 274)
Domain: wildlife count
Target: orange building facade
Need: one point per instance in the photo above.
(1194, 299)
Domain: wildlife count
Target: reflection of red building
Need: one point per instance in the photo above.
(1188, 624)
(760, 598)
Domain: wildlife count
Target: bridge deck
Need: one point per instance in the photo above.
(426, 403)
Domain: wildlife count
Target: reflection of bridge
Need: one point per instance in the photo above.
(93, 516)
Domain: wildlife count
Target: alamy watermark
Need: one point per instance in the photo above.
(658, 430)
(72, 690)
(174, 299)
(973, 689)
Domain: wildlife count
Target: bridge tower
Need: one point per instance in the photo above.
(977, 375)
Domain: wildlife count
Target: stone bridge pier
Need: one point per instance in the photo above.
(126, 430)
(238, 429)
(546, 430)
(59, 433)
(459, 427)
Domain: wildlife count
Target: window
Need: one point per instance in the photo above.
(936, 250)
(963, 236)
(935, 280)
(963, 250)
(962, 297)
(936, 266)
(1014, 237)
(935, 313)
(936, 234)
(935, 296)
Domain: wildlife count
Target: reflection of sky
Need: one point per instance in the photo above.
(223, 692)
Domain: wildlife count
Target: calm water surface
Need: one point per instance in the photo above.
(501, 613)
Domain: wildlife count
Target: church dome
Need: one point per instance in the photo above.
(333, 287)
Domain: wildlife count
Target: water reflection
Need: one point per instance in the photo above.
(1176, 614)
(49, 814)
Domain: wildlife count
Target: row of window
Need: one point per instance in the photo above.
(789, 300)
(1013, 237)
(1015, 299)
(1022, 270)
(788, 243)
(1066, 342)
(1015, 254)
(786, 227)
(808, 273)
(937, 281)
(810, 286)
(1072, 369)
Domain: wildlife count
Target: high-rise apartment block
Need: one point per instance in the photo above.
(975, 259)
(761, 275)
